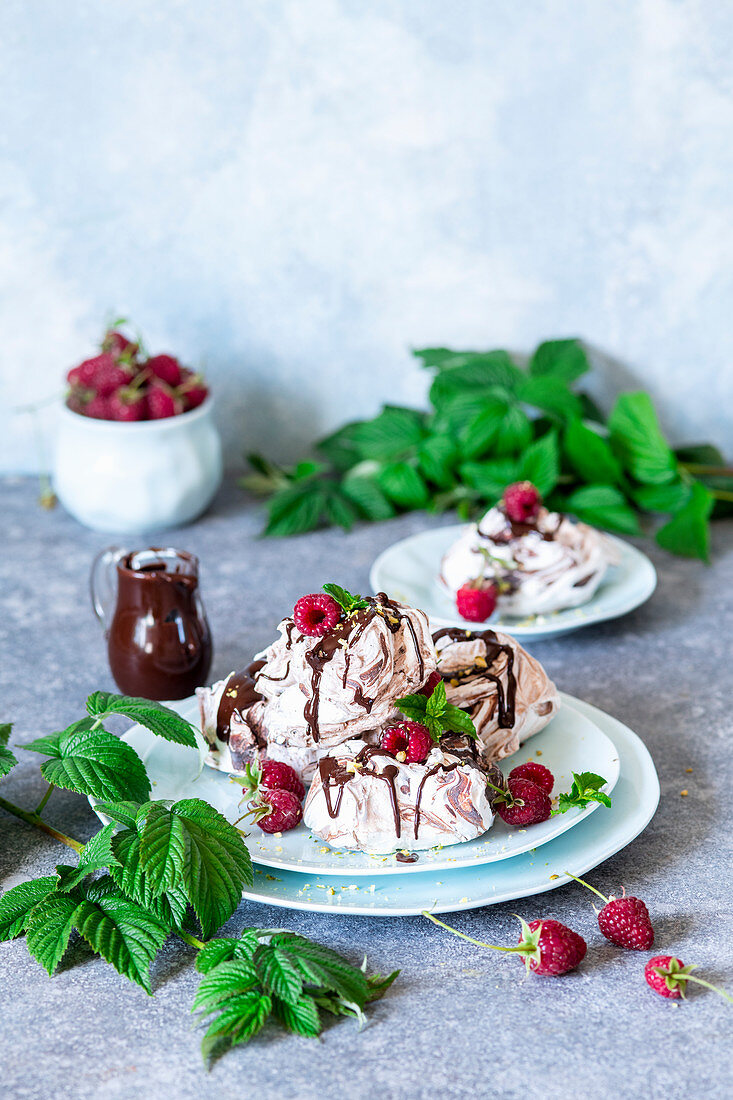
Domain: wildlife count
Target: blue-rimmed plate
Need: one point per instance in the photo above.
(408, 571)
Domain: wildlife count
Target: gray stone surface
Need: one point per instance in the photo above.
(460, 1022)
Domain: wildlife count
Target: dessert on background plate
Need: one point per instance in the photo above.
(525, 560)
(395, 729)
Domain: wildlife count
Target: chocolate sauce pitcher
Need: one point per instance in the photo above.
(149, 604)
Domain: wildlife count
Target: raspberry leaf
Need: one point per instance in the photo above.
(603, 506)
(17, 904)
(278, 974)
(300, 1017)
(160, 720)
(637, 440)
(7, 759)
(565, 360)
(216, 863)
(49, 928)
(586, 788)
(688, 532)
(169, 907)
(120, 930)
(94, 762)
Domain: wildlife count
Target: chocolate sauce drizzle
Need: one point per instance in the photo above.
(344, 636)
(494, 648)
(239, 694)
(334, 773)
(515, 529)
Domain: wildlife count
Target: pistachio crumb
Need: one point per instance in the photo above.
(684, 793)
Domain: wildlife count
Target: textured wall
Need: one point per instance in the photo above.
(293, 192)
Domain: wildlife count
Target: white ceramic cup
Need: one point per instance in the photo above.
(131, 478)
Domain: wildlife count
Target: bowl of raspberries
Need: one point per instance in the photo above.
(137, 449)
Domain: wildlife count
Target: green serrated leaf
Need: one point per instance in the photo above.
(124, 813)
(96, 763)
(7, 760)
(162, 848)
(688, 531)
(603, 506)
(120, 930)
(49, 928)
(170, 907)
(390, 434)
(97, 852)
(222, 981)
(413, 707)
(339, 510)
(586, 788)
(456, 720)
(278, 974)
(662, 498)
(436, 701)
(217, 864)
(5, 731)
(295, 510)
(160, 720)
(322, 966)
(378, 985)
(490, 479)
(540, 464)
(482, 431)
(403, 485)
(51, 745)
(638, 442)
(340, 447)
(474, 371)
(437, 456)
(300, 1017)
(365, 493)
(345, 599)
(590, 455)
(222, 950)
(551, 395)
(563, 359)
(17, 904)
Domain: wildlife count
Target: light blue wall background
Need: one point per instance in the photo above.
(293, 192)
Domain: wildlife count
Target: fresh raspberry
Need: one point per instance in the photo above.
(558, 948)
(523, 803)
(275, 773)
(98, 408)
(476, 604)
(162, 403)
(431, 683)
(547, 946)
(666, 984)
(126, 405)
(536, 773)
(86, 373)
(626, 922)
(521, 501)
(165, 367)
(409, 741)
(316, 614)
(110, 378)
(278, 811)
(119, 346)
(192, 390)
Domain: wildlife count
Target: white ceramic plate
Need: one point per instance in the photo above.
(408, 571)
(635, 799)
(571, 742)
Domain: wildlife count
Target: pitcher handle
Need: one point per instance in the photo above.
(102, 583)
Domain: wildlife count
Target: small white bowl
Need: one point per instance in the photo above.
(131, 478)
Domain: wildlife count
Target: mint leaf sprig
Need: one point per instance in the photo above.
(492, 422)
(586, 788)
(348, 603)
(160, 869)
(437, 714)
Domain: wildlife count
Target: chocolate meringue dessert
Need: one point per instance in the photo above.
(333, 697)
(540, 561)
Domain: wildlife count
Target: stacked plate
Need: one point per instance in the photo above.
(298, 871)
